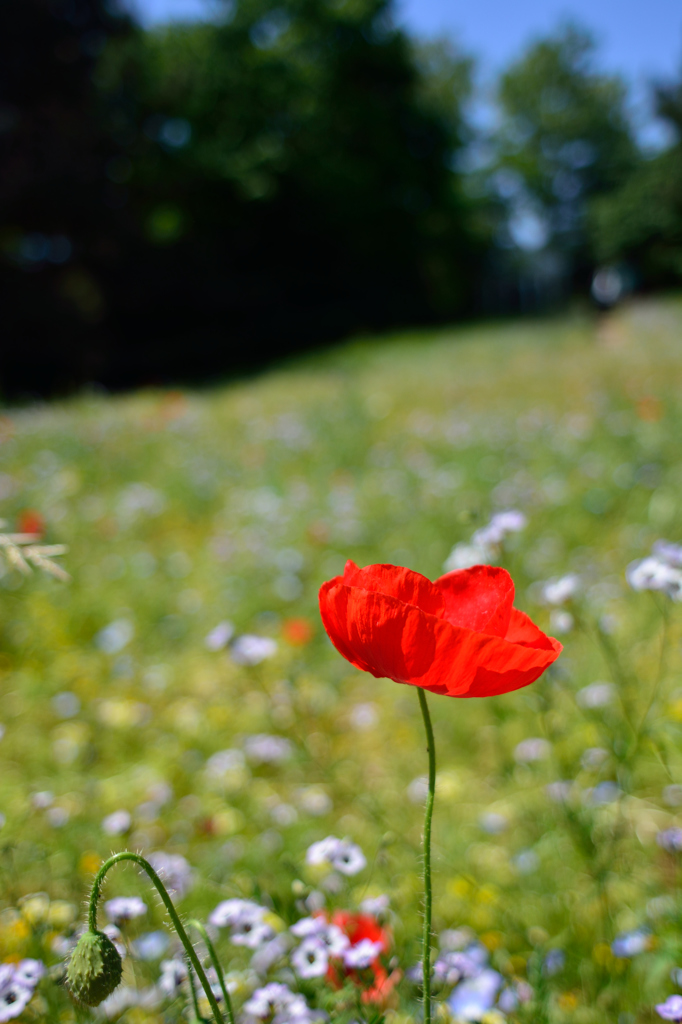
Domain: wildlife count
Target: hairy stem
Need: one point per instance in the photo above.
(216, 963)
(193, 991)
(172, 913)
(426, 956)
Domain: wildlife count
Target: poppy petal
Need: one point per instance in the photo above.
(522, 630)
(510, 666)
(393, 580)
(392, 640)
(378, 633)
(478, 598)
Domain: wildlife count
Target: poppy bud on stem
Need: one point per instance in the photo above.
(172, 913)
(426, 956)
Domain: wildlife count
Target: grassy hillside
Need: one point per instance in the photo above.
(185, 510)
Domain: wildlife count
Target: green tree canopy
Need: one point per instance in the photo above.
(274, 179)
(290, 174)
(564, 138)
(641, 222)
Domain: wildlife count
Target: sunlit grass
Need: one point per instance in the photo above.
(183, 510)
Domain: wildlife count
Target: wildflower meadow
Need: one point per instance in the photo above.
(213, 783)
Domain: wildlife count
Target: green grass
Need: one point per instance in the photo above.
(182, 510)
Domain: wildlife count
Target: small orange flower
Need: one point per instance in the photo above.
(298, 632)
(358, 927)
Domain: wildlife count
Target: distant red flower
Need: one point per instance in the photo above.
(460, 636)
(31, 521)
(298, 632)
(358, 927)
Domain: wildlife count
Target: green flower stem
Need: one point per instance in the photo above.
(426, 956)
(172, 913)
(193, 990)
(198, 926)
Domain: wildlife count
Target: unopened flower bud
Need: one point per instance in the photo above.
(95, 968)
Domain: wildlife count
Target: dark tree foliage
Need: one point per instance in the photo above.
(640, 224)
(54, 190)
(230, 192)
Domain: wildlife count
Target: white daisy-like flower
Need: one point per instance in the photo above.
(596, 695)
(219, 637)
(250, 649)
(362, 954)
(533, 749)
(14, 997)
(117, 824)
(653, 573)
(561, 589)
(463, 556)
(174, 871)
(341, 854)
(29, 972)
(322, 851)
(173, 974)
(266, 749)
(246, 921)
(125, 908)
(311, 958)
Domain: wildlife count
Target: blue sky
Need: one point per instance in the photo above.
(640, 39)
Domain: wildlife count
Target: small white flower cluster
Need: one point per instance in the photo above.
(661, 570)
(173, 976)
(117, 823)
(247, 649)
(671, 1009)
(629, 944)
(321, 941)
(261, 748)
(17, 985)
(266, 749)
(125, 908)
(277, 1004)
(533, 749)
(485, 543)
(560, 589)
(173, 870)
(462, 964)
(340, 854)
(596, 695)
(670, 839)
(246, 921)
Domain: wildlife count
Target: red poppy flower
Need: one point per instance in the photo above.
(460, 636)
(358, 927)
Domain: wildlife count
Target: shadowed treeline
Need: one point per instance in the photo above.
(193, 201)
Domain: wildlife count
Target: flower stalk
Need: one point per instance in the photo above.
(172, 913)
(198, 926)
(428, 815)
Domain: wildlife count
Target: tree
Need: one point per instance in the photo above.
(278, 179)
(291, 184)
(55, 187)
(564, 139)
(640, 224)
